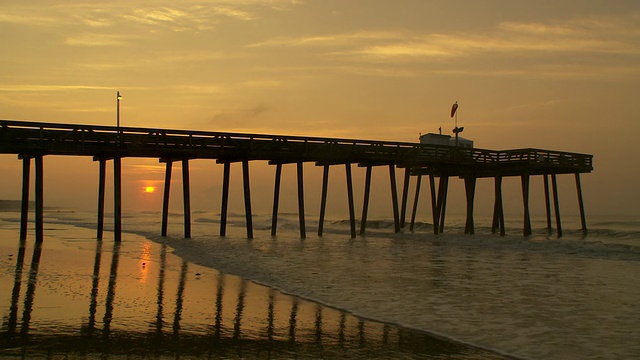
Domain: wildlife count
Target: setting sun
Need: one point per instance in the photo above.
(149, 189)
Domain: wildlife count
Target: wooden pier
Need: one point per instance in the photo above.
(35, 140)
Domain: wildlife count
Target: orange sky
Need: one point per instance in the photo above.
(561, 75)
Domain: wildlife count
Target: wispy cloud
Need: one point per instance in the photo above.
(96, 39)
(612, 35)
(48, 88)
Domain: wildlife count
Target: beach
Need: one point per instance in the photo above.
(383, 295)
(76, 297)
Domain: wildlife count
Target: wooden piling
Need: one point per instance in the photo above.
(323, 198)
(394, 197)
(498, 209)
(581, 204)
(117, 199)
(165, 198)
(186, 197)
(365, 201)
(405, 195)
(303, 228)
(443, 190)
(470, 190)
(525, 202)
(547, 203)
(556, 204)
(352, 215)
(101, 193)
(415, 203)
(24, 211)
(225, 198)
(434, 203)
(276, 200)
(39, 199)
(247, 198)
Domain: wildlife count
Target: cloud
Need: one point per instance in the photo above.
(605, 35)
(95, 39)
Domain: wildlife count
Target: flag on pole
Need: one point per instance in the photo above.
(454, 108)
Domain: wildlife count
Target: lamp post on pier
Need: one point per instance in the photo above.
(118, 98)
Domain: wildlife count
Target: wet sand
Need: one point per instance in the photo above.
(78, 297)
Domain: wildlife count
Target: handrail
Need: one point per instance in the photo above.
(42, 133)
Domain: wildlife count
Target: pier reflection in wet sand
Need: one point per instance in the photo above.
(187, 311)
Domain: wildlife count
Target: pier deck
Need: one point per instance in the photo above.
(38, 139)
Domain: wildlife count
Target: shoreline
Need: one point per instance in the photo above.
(441, 341)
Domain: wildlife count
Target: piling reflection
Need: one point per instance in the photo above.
(15, 294)
(93, 306)
(31, 289)
(244, 320)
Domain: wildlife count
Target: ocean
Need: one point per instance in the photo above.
(382, 295)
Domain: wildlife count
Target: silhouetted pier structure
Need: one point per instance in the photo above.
(36, 139)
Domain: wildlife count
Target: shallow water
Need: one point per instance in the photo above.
(536, 297)
(75, 297)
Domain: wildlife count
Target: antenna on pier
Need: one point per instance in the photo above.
(456, 129)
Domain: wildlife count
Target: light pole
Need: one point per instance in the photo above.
(118, 98)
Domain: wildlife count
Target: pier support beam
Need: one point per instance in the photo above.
(323, 198)
(24, 212)
(225, 198)
(394, 197)
(581, 204)
(405, 195)
(165, 198)
(443, 188)
(352, 215)
(365, 202)
(101, 190)
(547, 203)
(556, 204)
(39, 199)
(434, 203)
(470, 190)
(300, 171)
(247, 198)
(415, 203)
(186, 197)
(498, 209)
(276, 200)
(117, 199)
(525, 201)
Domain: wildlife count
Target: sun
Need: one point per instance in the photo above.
(149, 189)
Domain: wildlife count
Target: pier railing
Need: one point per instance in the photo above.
(108, 141)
